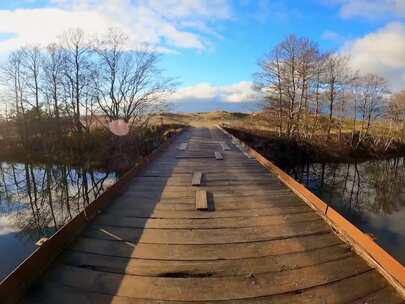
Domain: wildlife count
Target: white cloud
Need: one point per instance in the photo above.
(233, 93)
(370, 8)
(381, 52)
(159, 23)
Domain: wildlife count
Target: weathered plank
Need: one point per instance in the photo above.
(206, 288)
(201, 200)
(206, 251)
(206, 236)
(215, 268)
(184, 214)
(375, 290)
(187, 223)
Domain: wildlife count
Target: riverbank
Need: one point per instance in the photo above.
(288, 152)
(98, 149)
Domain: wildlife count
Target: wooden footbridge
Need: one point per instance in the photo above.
(205, 223)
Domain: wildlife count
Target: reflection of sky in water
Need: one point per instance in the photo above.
(18, 231)
(13, 248)
(371, 196)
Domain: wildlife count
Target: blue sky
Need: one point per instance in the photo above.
(212, 46)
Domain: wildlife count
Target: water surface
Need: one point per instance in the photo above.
(370, 194)
(36, 200)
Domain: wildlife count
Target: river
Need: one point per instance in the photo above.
(369, 194)
(37, 199)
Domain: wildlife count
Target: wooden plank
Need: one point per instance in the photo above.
(186, 204)
(206, 236)
(216, 268)
(197, 178)
(187, 223)
(193, 156)
(184, 214)
(225, 147)
(374, 289)
(206, 289)
(206, 251)
(218, 156)
(201, 200)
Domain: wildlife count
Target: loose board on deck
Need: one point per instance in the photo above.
(197, 178)
(201, 201)
(218, 156)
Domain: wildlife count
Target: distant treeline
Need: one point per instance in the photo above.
(311, 92)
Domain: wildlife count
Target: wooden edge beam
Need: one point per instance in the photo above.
(201, 200)
(218, 156)
(197, 178)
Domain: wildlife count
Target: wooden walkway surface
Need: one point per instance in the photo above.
(256, 243)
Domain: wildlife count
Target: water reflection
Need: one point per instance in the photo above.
(370, 194)
(35, 200)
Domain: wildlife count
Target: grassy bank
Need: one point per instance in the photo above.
(290, 151)
(97, 149)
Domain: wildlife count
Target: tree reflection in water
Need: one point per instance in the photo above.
(369, 194)
(38, 199)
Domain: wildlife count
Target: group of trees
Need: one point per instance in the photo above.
(311, 92)
(72, 84)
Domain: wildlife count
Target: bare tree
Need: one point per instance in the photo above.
(269, 81)
(335, 79)
(32, 60)
(372, 98)
(53, 77)
(288, 78)
(396, 112)
(13, 78)
(129, 82)
(78, 71)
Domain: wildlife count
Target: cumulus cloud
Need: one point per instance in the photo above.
(370, 8)
(381, 52)
(165, 24)
(233, 93)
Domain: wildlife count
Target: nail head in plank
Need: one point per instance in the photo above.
(225, 147)
(197, 177)
(201, 201)
(218, 155)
